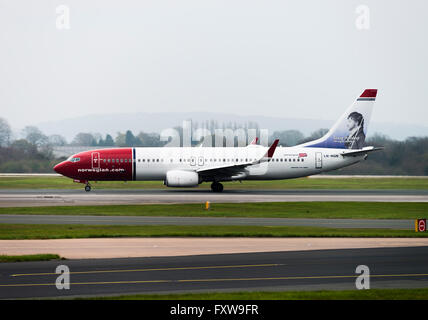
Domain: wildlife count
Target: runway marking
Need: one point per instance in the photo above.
(302, 277)
(156, 269)
(215, 280)
(83, 283)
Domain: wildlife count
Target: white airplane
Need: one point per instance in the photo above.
(342, 146)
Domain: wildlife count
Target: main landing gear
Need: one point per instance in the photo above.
(87, 188)
(216, 187)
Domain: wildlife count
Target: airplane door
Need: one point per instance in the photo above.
(193, 161)
(318, 160)
(95, 160)
(200, 161)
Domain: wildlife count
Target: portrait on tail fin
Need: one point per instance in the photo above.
(350, 130)
(356, 136)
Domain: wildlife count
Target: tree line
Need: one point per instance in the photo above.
(33, 152)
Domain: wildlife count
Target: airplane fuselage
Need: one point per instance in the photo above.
(128, 164)
(340, 147)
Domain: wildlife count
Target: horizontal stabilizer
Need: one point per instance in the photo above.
(361, 151)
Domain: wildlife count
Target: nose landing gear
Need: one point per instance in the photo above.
(86, 182)
(216, 187)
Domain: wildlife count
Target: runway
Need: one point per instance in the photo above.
(206, 221)
(67, 197)
(273, 271)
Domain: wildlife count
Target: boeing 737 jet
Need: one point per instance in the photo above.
(343, 145)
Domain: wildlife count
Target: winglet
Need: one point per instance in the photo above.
(271, 150)
(254, 140)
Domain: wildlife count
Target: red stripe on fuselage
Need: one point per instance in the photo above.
(98, 165)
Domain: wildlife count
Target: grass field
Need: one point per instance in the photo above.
(31, 257)
(372, 294)
(49, 231)
(301, 183)
(355, 210)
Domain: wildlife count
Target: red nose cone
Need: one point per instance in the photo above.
(60, 168)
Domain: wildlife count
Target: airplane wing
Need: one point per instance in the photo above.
(236, 170)
(361, 152)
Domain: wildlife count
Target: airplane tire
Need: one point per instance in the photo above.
(87, 188)
(220, 187)
(216, 187)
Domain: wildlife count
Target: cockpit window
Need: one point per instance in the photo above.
(75, 159)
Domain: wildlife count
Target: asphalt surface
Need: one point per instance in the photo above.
(206, 221)
(55, 197)
(298, 270)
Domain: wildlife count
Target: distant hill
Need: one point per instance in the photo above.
(156, 122)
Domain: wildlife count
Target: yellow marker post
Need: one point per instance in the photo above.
(207, 205)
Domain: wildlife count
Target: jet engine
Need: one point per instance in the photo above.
(181, 178)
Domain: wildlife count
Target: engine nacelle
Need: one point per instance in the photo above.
(181, 178)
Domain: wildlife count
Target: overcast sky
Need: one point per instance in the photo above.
(292, 59)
